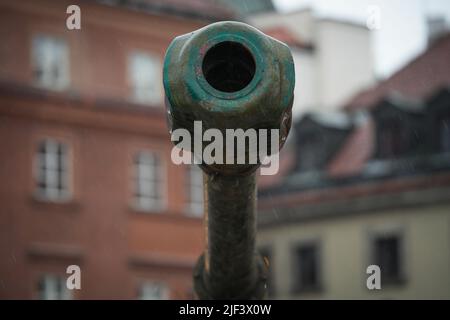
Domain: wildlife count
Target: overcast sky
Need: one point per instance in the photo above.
(403, 31)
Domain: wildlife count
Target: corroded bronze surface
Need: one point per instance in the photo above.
(230, 76)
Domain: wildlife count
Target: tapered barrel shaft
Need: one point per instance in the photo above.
(230, 260)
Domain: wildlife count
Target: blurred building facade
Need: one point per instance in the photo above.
(88, 180)
(333, 58)
(86, 173)
(367, 186)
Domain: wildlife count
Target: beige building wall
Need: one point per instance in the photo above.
(345, 246)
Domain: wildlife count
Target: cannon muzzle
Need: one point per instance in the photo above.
(230, 76)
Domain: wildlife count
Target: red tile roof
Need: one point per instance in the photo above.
(417, 80)
(284, 35)
(354, 191)
(355, 152)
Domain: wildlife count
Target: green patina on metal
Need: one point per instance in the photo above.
(268, 92)
(229, 75)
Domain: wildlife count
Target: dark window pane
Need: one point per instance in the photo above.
(52, 168)
(387, 257)
(61, 285)
(42, 148)
(445, 134)
(41, 288)
(307, 264)
(42, 185)
(391, 142)
(60, 166)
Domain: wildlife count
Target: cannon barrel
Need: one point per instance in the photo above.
(229, 75)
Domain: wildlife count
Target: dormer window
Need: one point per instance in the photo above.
(391, 142)
(444, 131)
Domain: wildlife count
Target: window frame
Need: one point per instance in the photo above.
(444, 134)
(189, 203)
(385, 232)
(163, 287)
(65, 68)
(389, 230)
(43, 194)
(297, 286)
(64, 294)
(162, 185)
(157, 97)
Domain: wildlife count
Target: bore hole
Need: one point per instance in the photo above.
(228, 66)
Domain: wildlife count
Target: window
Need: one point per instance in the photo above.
(145, 78)
(50, 62)
(445, 134)
(195, 189)
(52, 170)
(52, 287)
(148, 178)
(307, 268)
(392, 142)
(153, 291)
(387, 255)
